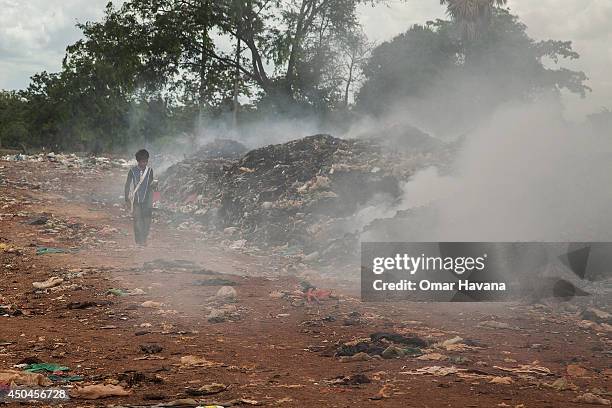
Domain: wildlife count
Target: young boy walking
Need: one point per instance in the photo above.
(139, 197)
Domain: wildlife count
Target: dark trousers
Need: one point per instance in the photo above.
(142, 222)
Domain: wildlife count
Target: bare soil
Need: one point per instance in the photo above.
(275, 351)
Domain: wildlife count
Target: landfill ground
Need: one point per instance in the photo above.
(271, 345)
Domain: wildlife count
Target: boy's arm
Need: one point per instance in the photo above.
(126, 189)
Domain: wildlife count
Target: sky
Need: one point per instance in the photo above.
(35, 33)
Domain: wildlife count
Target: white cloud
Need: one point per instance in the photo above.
(387, 20)
(35, 33)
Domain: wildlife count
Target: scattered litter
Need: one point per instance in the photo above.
(42, 220)
(45, 367)
(48, 250)
(434, 370)
(132, 378)
(449, 342)
(460, 360)
(317, 294)
(356, 357)
(597, 315)
(532, 368)
(276, 294)
(432, 357)
(398, 338)
(494, 324)
(86, 304)
(501, 380)
(151, 348)
(208, 389)
(215, 282)
(116, 292)
(398, 352)
(574, 370)
(239, 244)
(149, 357)
(49, 283)
(184, 402)
(359, 346)
(354, 379)
(10, 310)
(65, 378)
(165, 264)
(223, 314)
(385, 392)
(589, 398)
(195, 361)
(124, 292)
(99, 391)
(226, 293)
(561, 384)
(23, 378)
(151, 304)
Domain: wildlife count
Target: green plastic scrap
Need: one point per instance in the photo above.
(116, 292)
(215, 282)
(69, 378)
(49, 250)
(45, 367)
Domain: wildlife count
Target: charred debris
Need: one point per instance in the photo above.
(308, 194)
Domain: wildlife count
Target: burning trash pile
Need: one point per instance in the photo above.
(303, 193)
(196, 178)
(70, 160)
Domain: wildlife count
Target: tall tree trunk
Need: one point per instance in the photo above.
(349, 81)
(235, 104)
(202, 92)
(202, 88)
(295, 48)
(236, 87)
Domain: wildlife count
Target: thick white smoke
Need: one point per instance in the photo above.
(523, 175)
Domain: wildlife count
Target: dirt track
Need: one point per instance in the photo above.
(273, 350)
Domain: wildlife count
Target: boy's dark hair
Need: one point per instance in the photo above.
(142, 154)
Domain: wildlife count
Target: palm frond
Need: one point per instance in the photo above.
(471, 13)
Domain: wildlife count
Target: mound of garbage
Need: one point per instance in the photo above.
(306, 192)
(71, 160)
(221, 149)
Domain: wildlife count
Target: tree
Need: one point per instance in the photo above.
(406, 67)
(355, 50)
(425, 69)
(296, 37)
(13, 127)
(472, 15)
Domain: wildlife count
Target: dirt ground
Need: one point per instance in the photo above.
(273, 347)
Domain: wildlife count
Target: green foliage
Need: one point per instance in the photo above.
(431, 62)
(13, 125)
(472, 16)
(407, 66)
(156, 68)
